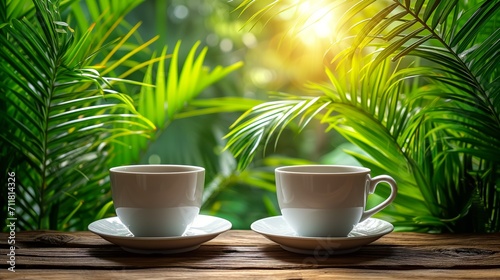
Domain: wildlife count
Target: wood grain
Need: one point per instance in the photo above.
(245, 254)
(329, 273)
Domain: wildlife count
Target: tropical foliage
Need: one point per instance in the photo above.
(412, 85)
(59, 113)
(417, 89)
(81, 92)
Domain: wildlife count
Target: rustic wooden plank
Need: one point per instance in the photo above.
(89, 239)
(55, 238)
(248, 250)
(250, 238)
(180, 273)
(423, 239)
(245, 254)
(375, 257)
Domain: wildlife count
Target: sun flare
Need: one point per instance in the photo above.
(316, 22)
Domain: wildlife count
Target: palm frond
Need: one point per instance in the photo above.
(60, 119)
(450, 95)
(171, 99)
(260, 124)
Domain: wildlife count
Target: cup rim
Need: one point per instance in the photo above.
(156, 169)
(322, 169)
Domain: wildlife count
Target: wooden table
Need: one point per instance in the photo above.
(240, 254)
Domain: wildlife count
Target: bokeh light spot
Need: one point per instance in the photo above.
(226, 45)
(249, 40)
(181, 12)
(154, 159)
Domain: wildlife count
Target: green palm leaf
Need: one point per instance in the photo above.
(170, 100)
(439, 123)
(262, 121)
(59, 119)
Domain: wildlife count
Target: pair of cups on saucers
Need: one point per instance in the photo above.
(322, 206)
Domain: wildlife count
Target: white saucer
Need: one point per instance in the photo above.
(276, 229)
(203, 229)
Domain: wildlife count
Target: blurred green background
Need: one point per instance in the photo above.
(412, 85)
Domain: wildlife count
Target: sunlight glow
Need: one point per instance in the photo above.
(317, 22)
(305, 37)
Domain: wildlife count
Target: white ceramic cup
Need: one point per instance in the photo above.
(327, 200)
(157, 200)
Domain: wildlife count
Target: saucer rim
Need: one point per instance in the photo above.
(228, 225)
(380, 234)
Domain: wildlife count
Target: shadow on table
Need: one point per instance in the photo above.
(116, 257)
(365, 256)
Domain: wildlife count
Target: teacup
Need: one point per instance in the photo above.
(157, 200)
(327, 200)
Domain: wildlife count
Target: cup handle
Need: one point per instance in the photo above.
(373, 185)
